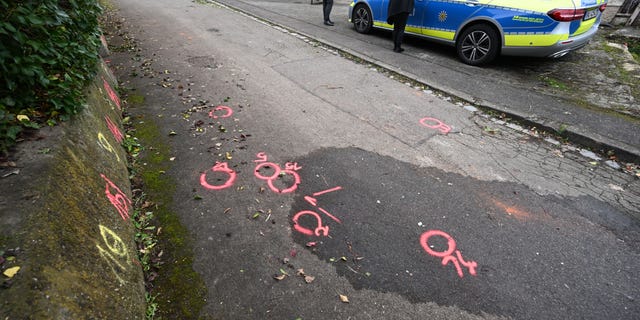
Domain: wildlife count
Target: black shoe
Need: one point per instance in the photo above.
(328, 23)
(398, 49)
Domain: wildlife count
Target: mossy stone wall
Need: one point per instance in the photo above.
(70, 221)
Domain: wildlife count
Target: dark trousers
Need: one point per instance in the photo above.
(399, 23)
(326, 8)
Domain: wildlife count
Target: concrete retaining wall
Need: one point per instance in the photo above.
(65, 220)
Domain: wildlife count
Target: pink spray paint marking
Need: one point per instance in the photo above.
(219, 167)
(112, 94)
(228, 112)
(320, 230)
(103, 40)
(276, 171)
(439, 125)
(119, 200)
(293, 187)
(114, 130)
(329, 215)
(447, 256)
(327, 191)
(290, 168)
(262, 157)
(314, 202)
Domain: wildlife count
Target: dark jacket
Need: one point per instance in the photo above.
(398, 6)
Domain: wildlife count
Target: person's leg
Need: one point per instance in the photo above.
(399, 24)
(394, 35)
(327, 5)
(324, 9)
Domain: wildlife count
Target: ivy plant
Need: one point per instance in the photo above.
(48, 55)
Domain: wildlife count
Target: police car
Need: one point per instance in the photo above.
(482, 29)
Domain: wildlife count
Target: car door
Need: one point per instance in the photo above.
(415, 21)
(443, 18)
(378, 10)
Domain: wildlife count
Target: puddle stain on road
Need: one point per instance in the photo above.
(525, 249)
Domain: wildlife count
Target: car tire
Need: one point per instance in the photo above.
(478, 44)
(362, 19)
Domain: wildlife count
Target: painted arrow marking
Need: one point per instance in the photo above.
(314, 202)
(311, 200)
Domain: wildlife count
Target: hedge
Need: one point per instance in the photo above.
(48, 54)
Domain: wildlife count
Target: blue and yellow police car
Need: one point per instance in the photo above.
(480, 30)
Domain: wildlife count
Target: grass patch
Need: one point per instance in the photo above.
(152, 306)
(178, 292)
(554, 83)
(135, 99)
(634, 47)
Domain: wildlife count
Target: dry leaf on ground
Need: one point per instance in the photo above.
(10, 272)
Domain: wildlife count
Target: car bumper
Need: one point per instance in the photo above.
(351, 6)
(555, 51)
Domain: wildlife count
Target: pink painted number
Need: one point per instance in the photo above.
(290, 169)
(436, 124)
(112, 94)
(320, 230)
(447, 256)
(219, 167)
(114, 129)
(118, 199)
(227, 112)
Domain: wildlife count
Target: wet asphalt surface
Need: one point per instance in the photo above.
(535, 255)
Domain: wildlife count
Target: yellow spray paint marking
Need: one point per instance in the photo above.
(104, 143)
(115, 249)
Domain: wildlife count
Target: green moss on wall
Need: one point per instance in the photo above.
(64, 274)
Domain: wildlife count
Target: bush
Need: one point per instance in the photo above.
(48, 54)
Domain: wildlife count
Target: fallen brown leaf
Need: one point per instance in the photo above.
(309, 279)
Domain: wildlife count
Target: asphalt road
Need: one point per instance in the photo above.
(406, 204)
(506, 86)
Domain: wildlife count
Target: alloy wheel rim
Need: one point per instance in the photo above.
(476, 45)
(362, 19)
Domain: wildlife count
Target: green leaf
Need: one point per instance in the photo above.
(13, 131)
(9, 28)
(48, 56)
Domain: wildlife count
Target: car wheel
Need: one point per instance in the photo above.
(362, 20)
(478, 44)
